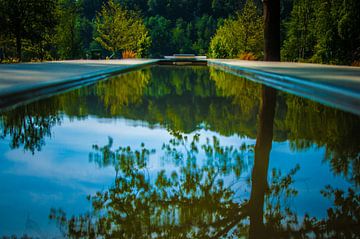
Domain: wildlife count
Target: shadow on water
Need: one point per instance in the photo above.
(196, 200)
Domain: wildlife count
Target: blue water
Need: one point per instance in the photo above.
(52, 167)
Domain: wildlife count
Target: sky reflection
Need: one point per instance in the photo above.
(45, 150)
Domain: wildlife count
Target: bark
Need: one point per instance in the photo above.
(18, 47)
(271, 30)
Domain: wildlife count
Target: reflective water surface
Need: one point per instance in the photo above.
(179, 152)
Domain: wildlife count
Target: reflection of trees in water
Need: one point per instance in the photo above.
(244, 93)
(310, 123)
(182, 99)
(123, 90)
(261, 163)
(194, 201)
(106, 98)
(28, 126)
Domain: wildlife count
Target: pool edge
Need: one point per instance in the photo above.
(18, 95)
(332, 96)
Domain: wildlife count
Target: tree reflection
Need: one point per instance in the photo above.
(311, 123)
(194, 201)
(187, 98)
(29, 125)
(261, 162)
(190, 202)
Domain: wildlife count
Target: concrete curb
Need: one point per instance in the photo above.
(345, 98)
(342, 98)
(13, 96)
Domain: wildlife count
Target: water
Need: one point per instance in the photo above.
(179, 152)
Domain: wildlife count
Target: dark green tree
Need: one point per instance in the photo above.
(30, 20)
(67, 36)
(300, 40)
(205, 27)
(181, 36)
(160, 29)
(338, 35)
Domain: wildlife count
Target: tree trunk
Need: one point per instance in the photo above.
(272, 30)
(18, 47)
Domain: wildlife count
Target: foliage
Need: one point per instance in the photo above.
(120, 29)
(29, 20)
(67, 36)
(243, 34)
(181, 34)
(161, 34)
(194, 201)
(28, 126)
(324, 31)
(205, 28)
(300, 39)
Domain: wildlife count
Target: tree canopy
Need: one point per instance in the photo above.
(243, 34)
(322, 31)
(27, 20)
(119, 29)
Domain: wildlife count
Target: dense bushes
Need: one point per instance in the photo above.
(240, 35)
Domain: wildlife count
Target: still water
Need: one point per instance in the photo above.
(179, 152)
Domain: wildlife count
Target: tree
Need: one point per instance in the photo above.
(119, 29)
(160, 29)
(323, 31)
(29, 20)
(181, 36)
(271, 30)
(67, 36)
(240, 35)
(337, 32)
(300, 39)
(205, 28)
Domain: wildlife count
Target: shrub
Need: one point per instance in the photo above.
(247, 56)
(128, 54)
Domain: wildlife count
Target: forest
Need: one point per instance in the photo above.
(319, 31)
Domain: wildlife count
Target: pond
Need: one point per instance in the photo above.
(179, 152)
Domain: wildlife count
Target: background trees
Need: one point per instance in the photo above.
(27, 20)
(67, 37)
(243, 34)
(119, 29)
(323, 31)
(300, 40)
